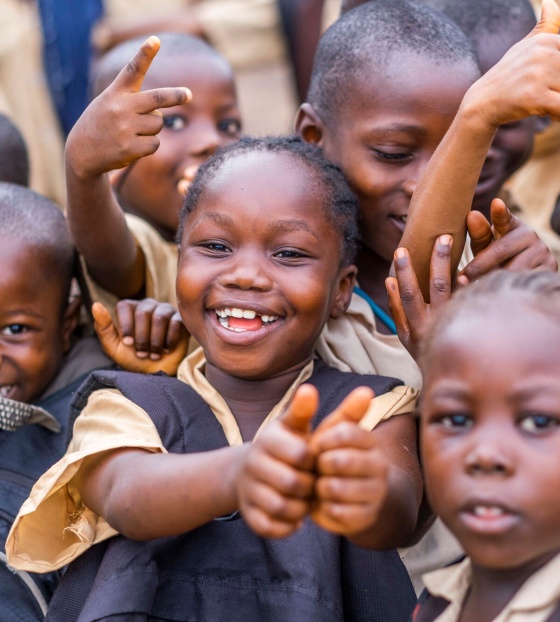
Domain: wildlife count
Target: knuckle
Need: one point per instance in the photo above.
(158, 98)
(408, 295)
(439, 285)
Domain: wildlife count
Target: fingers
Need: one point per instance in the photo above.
(549, 21)
(479, 230)
(397, 311)
(516, 246)
(440, 272)
(149, 326)
(301, 410)
(132, 76)
(149, 101)
(105, 329)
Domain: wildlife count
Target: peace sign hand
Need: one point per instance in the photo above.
(121, 125)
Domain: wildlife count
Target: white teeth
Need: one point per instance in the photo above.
(249, 315)
(237, 312)
(483, 510)
(5, 390)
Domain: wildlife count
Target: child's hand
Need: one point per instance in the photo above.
(276, 479)
(120, 126)
(526, 81)
(351, 481)
(149, 336)
(412, 315)
(507, 243)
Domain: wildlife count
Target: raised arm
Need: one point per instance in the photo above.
(525, 82)
(117, 128)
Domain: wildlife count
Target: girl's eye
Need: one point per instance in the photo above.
(538, 423)
(232, 127)
(455, 421)
(174, 122)
(14, 329)
(289, 254)
(391, 157)
(216, 247)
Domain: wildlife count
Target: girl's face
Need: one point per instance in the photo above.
(259, 272)
(490, 433)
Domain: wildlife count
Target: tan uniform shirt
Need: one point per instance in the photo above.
(54, 527)
(534, 602)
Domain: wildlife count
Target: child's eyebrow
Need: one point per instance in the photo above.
(395, 128)
(291, 225)
(223, 220)
(7, 313)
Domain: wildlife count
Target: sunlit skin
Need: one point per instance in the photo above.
(35, 321)
(191, 134)
(267, 250)
(490, 443)
(384, 136)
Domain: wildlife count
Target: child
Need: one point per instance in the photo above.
(382, 127)
(14, 159)
(263, 264)
(490, 442)
(42, 365)
(136, 256)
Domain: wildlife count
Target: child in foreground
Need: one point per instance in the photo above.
(263, 265)
(127, 237)
(490, 445)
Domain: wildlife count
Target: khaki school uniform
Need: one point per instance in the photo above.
(535, 600)
(54, 527)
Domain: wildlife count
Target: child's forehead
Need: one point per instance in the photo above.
(179, 70)
(408, 83)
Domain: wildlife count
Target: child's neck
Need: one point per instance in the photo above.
(372, 272)
(251, 401)
(492, 589)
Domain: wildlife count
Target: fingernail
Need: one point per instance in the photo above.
(128, 341)
(188, 94)
(400, 253)
(390, 284)
(154, 356)
(445, 240)
(462, 280)
(142, 355)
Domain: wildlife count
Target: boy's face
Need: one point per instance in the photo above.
(190, 135)
(384, 136)
(34, 330)
(490, 434)
(260, 244)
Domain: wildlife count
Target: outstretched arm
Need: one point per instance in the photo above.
(525, 82)
(116, 129)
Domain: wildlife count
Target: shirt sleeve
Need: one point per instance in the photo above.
(53, 526)
(400, 401)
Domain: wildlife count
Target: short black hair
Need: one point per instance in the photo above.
(480, 18)
(366, 37)
(538, 291)
(340, 204)
(14, 159)
(173, 45)
(39, 223)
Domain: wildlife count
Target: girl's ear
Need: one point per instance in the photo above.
(70, 321)
(346, 282)
(309, 125)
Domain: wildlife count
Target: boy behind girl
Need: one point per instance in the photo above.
(42, 363)
(135, 256)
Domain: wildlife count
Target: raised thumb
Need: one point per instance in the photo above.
(302, 408)
(550, 19)
(105, 329)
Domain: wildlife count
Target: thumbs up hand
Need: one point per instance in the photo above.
(526, 81)
(121, 125)
(351, 483)
(276, 477)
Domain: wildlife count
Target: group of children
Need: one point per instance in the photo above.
(272, 473)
